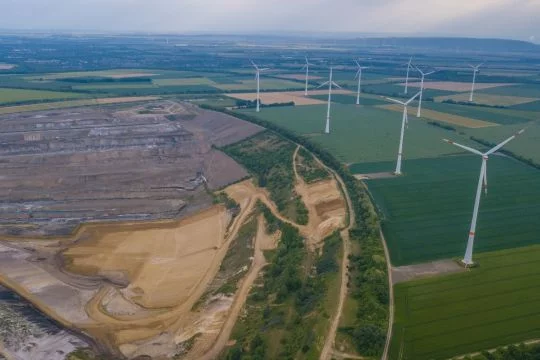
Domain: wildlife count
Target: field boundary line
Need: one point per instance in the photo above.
(491, 351)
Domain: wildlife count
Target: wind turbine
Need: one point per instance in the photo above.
(421, 89)
(404, 122)
(258, 77)
(359, 76)
(475, 70)
(329, 83)
(306, 66)
(409, 67)
(467, 260)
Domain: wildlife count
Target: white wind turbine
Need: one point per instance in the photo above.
(306, 66)
(359, 76)
(258, 77)
(330, 83)
(404, 122)
(475, 70)
(409, 67)
(467, 260)
(421, 89)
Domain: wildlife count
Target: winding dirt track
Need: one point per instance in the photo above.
(326, 352)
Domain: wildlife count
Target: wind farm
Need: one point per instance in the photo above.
(231, 197)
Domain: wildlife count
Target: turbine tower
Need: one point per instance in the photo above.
(258, 77)
(329, 83)
(306, 66)
(409, 67)
(359, 76)
(475, 70)
(421, 89)
(467, 260)
(404, 122)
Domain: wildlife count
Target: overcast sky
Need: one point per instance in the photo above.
(518, 19)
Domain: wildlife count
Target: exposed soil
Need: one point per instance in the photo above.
(297, 97)
(106, 164)
(434, 268)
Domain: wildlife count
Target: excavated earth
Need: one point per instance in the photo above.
(59, 169)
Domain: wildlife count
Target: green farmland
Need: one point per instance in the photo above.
(427, 212)
(10, 96)
(493, 305)
(364, 134)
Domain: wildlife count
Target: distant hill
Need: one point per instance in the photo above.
(449, 43)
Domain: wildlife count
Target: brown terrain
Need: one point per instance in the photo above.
(297, 97)
(132, 279)
(142, 163)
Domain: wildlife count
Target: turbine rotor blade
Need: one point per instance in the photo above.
(411, 99)
(505, 142)
(485, 179)
(323, 84)
(396, 101)
(357, 63)
(336, 85)
(464, 147)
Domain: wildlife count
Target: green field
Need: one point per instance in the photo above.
(493, 305)
(523, 90)
(427, 212)
(364, 134)
(8, 96)
(350, 99)
(397, 90)
(265, 84)
(526, 145)
(499, 116)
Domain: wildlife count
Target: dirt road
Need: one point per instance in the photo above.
(258, 263)
(326, 353)
(391, 305)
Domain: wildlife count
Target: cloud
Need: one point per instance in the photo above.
(509, 18)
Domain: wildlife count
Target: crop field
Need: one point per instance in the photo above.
(524, 90)
(265, 84)
(365, 100)
(364, 134)
(21, 95)
(455, 86)
(492, 305)
(532, 106)
(73, 103)
(397, 90)
(444, 117)
(115, 74)
(493, 115)
(427, 212)
(278, 97)
(526, 145)
(488, 99)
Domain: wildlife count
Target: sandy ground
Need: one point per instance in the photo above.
(444, 117)
(455, 86)
(381, 175)
(325, 204)
(280, 97)
(163, 264)
(6, 66)
(487, 99)
(412, 272)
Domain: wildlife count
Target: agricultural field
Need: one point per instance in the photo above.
(527, 144)
(350, 99)
(454, 86)
(278, 97)
(8, 96)
(364, 134)
(265, 84)
(488, 99)
(427, 212)
(522, 90)
(443, 117)
(396, 90)
(492, 115)
(493, 305)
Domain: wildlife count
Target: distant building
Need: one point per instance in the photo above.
(32, 137)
